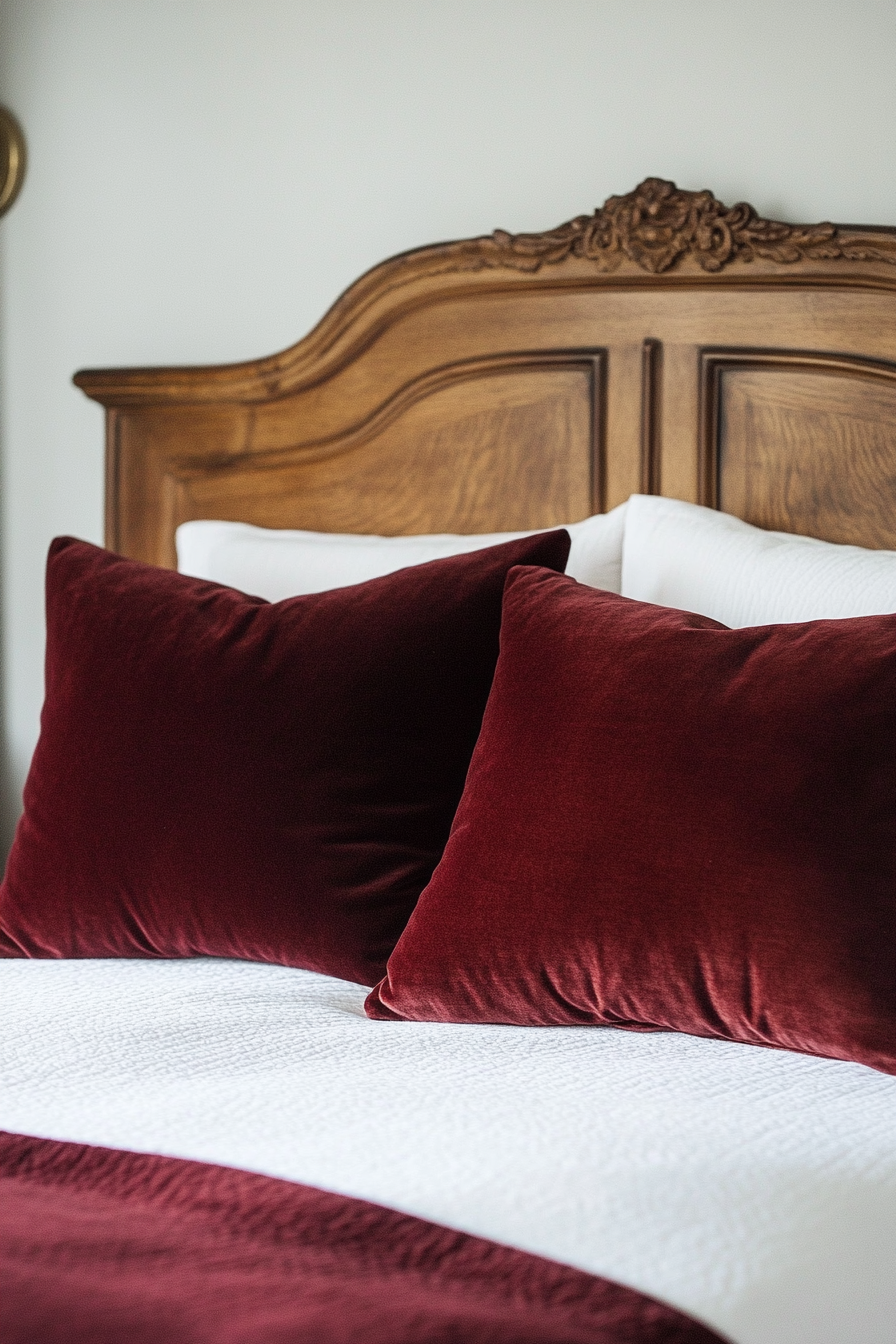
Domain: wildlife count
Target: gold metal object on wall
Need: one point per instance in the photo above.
(12, 159)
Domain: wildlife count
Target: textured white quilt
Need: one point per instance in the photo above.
(753, 1188)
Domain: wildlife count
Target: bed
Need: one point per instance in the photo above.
(664, 346)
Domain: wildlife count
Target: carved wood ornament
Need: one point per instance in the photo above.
(657, 224)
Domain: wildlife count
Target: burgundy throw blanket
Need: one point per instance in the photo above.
(99, 1246)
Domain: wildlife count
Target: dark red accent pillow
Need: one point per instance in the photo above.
(669, 825)
(220, 775)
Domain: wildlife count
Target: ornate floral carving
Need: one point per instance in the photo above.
(657, 225)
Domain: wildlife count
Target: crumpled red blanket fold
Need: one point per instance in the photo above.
(99, 1246)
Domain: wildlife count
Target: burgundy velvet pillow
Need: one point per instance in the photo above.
(669, 825)
(219, 775)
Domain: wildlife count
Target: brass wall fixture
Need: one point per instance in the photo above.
(12, 159)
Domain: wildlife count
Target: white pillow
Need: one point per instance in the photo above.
(682, 555)
(274, 564)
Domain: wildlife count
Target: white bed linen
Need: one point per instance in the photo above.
(753, 1188)
(275, 563)
(697, 559)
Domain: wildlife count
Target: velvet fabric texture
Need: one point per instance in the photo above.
(669, 825)
(218, 775)
(101, 1246)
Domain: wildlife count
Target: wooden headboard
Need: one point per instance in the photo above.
(663, 344)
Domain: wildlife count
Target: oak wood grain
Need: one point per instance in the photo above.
(809, 447)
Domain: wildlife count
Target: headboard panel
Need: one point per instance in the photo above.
(512, 433)
(806, 435)
(663, 344)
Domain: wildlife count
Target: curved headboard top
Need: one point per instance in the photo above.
(664, 343)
